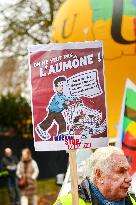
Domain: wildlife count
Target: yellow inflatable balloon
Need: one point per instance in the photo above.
(114, 22)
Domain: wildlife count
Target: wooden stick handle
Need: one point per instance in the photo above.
(74, 177)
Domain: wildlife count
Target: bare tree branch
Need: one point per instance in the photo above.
(23, 23)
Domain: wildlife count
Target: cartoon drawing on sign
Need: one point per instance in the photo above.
(85, 84)
(84, 121)
(81, 120)
(67, 109)
(57, 104)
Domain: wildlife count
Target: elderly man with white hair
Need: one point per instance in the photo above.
(106, 182)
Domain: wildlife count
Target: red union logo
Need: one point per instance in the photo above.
(72, 143)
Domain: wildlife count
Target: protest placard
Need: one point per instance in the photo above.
(68, 96)
(68, 99)
(126, 136)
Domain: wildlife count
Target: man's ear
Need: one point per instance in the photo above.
(99, 178)
(98, 173)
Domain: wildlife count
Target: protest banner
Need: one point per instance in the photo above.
(68, 96)
(126, 136)
(68, 99)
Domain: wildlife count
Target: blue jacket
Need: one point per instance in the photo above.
(57, 103)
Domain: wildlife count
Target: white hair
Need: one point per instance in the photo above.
(101, 159)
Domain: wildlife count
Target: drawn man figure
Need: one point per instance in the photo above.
(57, 104)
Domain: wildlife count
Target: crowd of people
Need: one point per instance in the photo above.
(21, 177)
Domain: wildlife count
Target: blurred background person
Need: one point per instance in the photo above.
(28, 167)
(9, 163)
(61, 164)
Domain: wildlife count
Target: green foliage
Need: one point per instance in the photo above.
(15, 112)
(47, 192)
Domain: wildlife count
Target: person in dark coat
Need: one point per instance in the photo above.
(9, 164)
